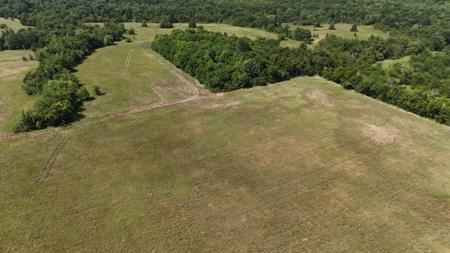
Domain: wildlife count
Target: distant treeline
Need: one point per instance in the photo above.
(427, 20)
(225, 63)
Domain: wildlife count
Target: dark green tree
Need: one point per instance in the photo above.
(165, 22)
(192, 24)
(331, 26)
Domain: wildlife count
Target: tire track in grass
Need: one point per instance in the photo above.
(173, 69)
(52, 159)
(125, 68)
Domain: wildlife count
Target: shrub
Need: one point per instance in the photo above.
(96, 90)
(331, 26)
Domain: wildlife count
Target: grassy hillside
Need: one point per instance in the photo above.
(302, 165)
(131, 75)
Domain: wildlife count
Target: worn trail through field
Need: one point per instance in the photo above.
(125, 68)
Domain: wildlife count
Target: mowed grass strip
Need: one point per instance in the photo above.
(302, 165)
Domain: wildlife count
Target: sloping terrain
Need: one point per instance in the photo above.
(302, 165)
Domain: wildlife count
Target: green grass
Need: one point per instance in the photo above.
(298, 166)
(342, 30)
(129, 87)
(388, 63)
(15, 25)
(13, 98)
(129, 74)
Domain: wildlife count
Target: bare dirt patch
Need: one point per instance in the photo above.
(381, 134)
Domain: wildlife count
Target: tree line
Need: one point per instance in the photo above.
(225, 63)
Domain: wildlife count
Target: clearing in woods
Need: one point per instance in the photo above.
(302, 165)
(342, 30)
(15, 25)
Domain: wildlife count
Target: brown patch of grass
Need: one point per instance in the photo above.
(319, 98)
(381, 134)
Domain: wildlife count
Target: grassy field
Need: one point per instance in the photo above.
(12, 97)
(131, 75)
(342, 30)
(12, 70)
(388, 63)
(299, 166)
(15, 25)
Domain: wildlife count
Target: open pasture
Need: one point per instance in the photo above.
(342, 30)
(12, 97)
(302, 165)
(131, 75)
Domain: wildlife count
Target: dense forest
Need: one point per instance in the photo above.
(418, 28)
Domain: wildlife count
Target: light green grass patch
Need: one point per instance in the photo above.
(342, 30)
(13, 98)
(386, 64)
(252, 33)
(15, 25)
(302, 165)
(131, 75)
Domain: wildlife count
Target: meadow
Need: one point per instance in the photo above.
(15, 25)
(13, 99)
(312, 168)
(161, 165)
(131, 75)
(342, 30)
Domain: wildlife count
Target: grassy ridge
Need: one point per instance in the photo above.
(312, 168)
